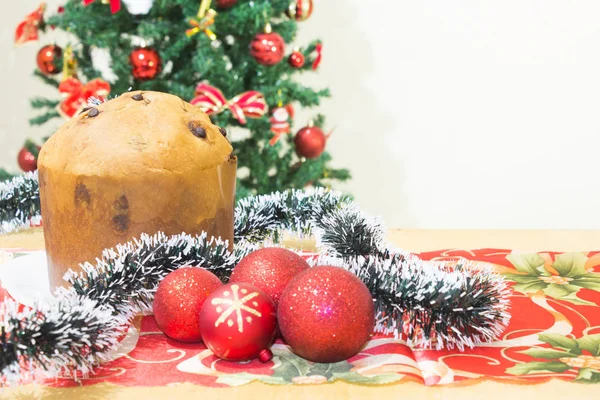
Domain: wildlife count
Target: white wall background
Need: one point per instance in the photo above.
(450, 114)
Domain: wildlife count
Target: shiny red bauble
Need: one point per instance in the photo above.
(145, 62)
(178, 301)
(326, 314)
(49, 59)
(296, 59)
(27, 160)
(267, 48)
(269, 269)
(225, 4)
(238, 323)
(300, 10)
(310, 142)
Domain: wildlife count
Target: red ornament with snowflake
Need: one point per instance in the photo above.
(238, 323)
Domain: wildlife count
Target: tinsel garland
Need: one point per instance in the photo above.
(427, 304)
(19, 203)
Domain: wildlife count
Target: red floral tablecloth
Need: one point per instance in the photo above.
(554, 333)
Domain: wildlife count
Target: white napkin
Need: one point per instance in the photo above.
(26, 279)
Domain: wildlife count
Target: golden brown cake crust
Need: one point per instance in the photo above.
(147, 162)
(151, 134)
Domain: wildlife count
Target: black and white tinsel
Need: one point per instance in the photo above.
(426, 304)
(19, 203)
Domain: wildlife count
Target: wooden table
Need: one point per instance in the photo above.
(414, 240)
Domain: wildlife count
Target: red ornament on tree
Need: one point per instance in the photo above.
(310, 142)
(326, 314)
(269, 269)
(27, 160)
(300, 10)
(296, 59)
(267, 48)
(225, 4)
(49, 59)
(178, 301)
(115, 5)
(146, 63)
(238, 323)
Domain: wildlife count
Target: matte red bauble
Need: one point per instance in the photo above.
(296, 59)
(27, 160)
(49, 59)
(238, 323)
(269, 269)
(267, 48)
(300, 10)
(145, 62)
(178, 301)
(326, 314)
(310, 142)
(225, 4)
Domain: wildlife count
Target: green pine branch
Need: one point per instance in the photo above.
(40, 102)
(42, 119)
(5, 175)
(32, 147)
(46, 79)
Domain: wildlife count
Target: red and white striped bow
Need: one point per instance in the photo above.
(251, 104)
(115, 5)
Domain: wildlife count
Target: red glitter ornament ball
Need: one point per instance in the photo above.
(296, 59)
(238, 323)
(225, 4)
(178, 301)
(326, 314)
(310, 142)
(49, 60)
(267, 48)
(269, 269)
(145, 62)
(27, 160)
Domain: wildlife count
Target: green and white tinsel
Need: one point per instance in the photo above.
(19, 203)
(426, 304)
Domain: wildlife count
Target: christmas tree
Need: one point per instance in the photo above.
(232, 58)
